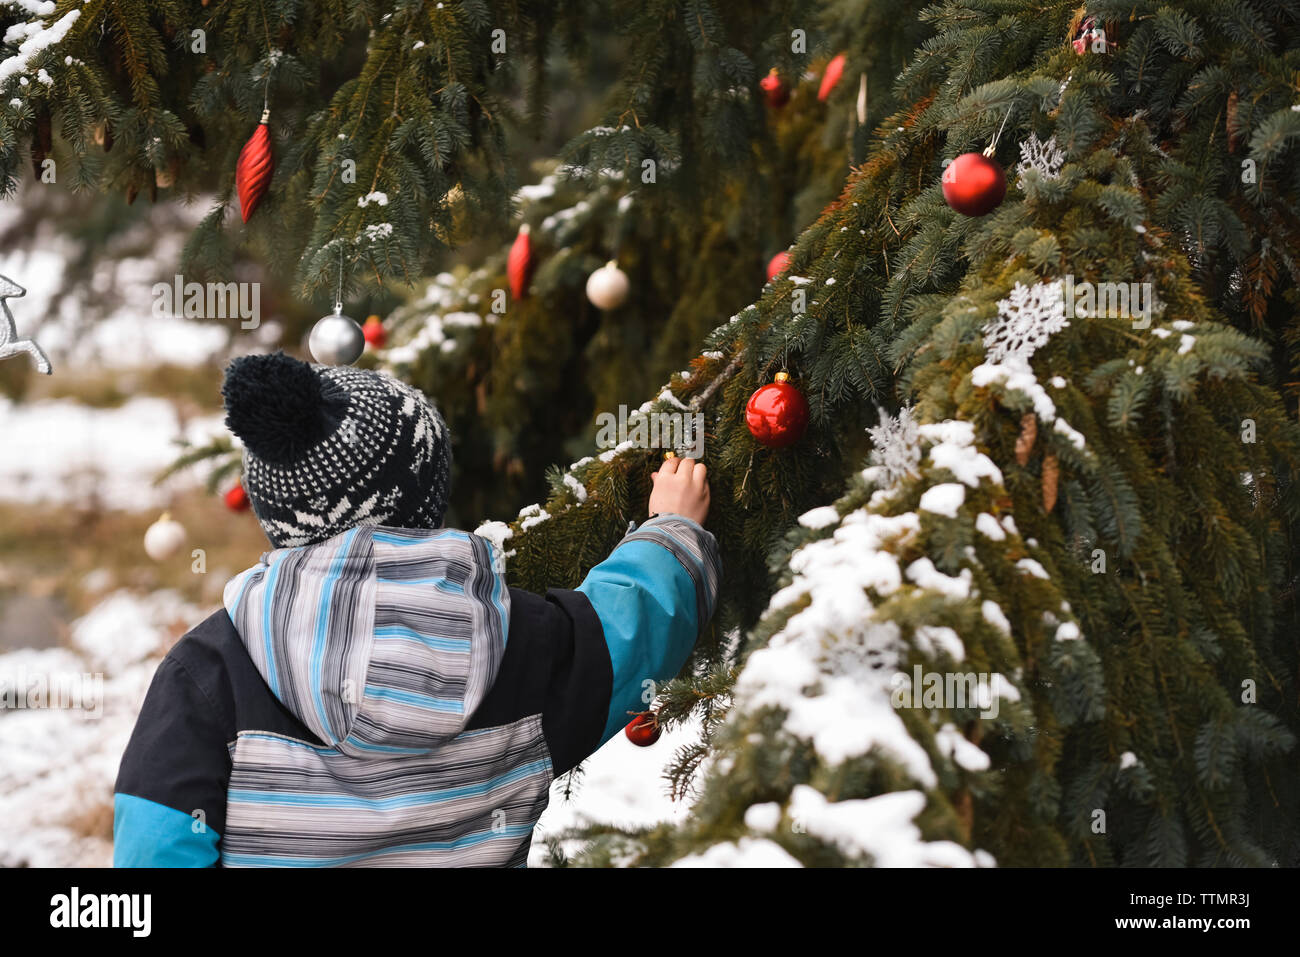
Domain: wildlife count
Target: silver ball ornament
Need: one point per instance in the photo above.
(336, 340)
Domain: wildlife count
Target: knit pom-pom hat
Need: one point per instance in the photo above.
(328, 448)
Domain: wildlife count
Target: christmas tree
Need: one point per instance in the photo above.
(1022, 592)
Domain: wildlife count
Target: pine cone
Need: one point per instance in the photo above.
(1233, 127)
(1051, 479)
(1028, 435)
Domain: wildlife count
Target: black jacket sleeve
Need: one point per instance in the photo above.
(556, 664)
(170, 800)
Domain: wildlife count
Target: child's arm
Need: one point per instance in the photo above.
(656, 591)
(170, 800)
(583, 659)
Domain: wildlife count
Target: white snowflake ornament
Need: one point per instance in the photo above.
(1026, 320)
(1047, 158)
(898, 445)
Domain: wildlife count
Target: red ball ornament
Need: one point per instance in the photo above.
(777, 414)
(519, 265)
(831, 76)
(775, 90)
(776, 265)
(643, 730)
(375, 333)
(254, 169)
(974, 184)
(237, 498)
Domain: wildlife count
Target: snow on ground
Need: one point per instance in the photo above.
(128, 335)
(56, 779)
(621, 784)
(132, 334)
(114, 324)
(59, 450)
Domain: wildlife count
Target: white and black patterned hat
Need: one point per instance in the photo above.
(328, 448)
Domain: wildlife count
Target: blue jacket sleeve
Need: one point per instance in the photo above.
(147, 834)
(653, 596)
(170, 801)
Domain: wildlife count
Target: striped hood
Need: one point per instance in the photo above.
(380, 640)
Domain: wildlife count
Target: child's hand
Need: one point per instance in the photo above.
(680, 488)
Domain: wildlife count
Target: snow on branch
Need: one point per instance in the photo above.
(38, 38)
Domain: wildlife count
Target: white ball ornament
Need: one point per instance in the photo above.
(164, 538)
(336, 339)
(608, 286)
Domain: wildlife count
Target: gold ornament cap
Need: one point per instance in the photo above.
(783, 377)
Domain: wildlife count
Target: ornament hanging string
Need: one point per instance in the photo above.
(992, 147)
(266, 82)
(617, 227)
(271, 62)
(338, 293)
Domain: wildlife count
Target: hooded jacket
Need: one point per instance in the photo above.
(384, 698)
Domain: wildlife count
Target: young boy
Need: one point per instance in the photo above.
(373, 693)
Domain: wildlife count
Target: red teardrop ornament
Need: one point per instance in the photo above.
(519, 265)
(834, 70)
(254, 169)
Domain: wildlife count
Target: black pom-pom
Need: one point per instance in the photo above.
(275, 404)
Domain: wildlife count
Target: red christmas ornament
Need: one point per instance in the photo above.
(777, 414)
(834, 70)
(237, 498)
(519, 265)
(774, 89)
(974, 184)
(254, 169)
(374, 332)
(777, 264)
(643, 730)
